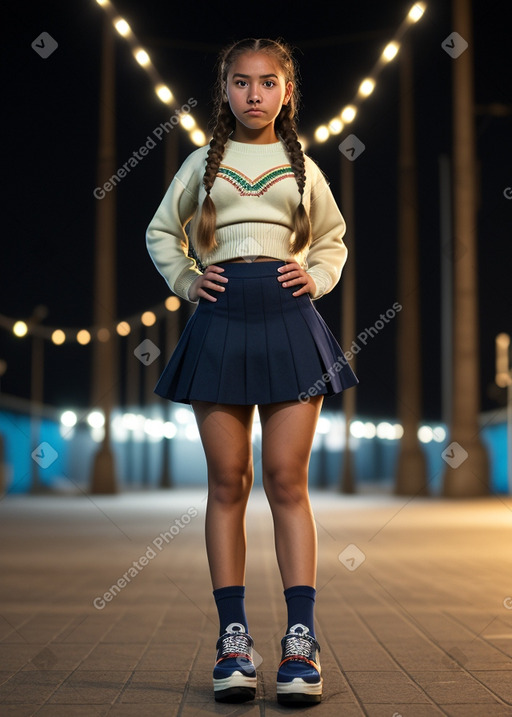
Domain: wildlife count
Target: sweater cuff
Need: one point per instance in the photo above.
(183, 284)
(322, 281)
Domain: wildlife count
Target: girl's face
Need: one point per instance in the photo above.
(256, 90)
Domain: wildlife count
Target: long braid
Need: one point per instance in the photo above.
(285, 126)
(206, 227)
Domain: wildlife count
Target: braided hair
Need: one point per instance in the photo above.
(224, 124)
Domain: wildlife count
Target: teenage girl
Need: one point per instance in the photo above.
(268, 237)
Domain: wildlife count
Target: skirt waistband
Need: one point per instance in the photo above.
(251, 269)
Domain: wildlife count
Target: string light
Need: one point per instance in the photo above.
(390, 51)
(59, 336)
(367, 86)
(20, 328)
(122, 27)
(142, 57)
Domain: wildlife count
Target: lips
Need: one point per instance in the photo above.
(255, 113)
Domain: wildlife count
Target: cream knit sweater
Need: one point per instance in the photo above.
(255, 196)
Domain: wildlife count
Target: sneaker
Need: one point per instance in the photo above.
(234, 674)
(298, 676)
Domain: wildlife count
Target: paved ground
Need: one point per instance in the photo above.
(422, 626)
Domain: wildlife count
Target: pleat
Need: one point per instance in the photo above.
(257, 344)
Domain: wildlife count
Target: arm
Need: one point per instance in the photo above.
(167, 241)
(327, 253)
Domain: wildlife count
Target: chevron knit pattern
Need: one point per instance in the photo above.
(254, 188)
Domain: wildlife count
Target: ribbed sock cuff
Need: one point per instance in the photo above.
(230, 606)
(300, 601)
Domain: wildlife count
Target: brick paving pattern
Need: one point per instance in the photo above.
(414, 607)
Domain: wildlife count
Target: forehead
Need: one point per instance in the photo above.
(255, 63)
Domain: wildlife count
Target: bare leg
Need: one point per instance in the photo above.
(288, 430)
(226, 437)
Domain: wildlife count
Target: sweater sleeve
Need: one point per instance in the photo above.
(166, 238)
(327, 252)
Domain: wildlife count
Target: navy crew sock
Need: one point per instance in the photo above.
(300, 601)
(230, 606)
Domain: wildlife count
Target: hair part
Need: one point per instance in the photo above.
(224, 124)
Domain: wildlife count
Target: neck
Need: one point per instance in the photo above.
(265, 135)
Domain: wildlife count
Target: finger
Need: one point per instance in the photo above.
(212, 284)
(294, 282)
(213, 275)
(289, 275)
(202, 293)
(303, 290)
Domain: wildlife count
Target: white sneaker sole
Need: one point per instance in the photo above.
(298, 690)
(235, 688)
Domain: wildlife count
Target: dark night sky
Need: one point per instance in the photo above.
(50, 144)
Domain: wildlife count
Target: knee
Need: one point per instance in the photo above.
(286, 485)
(230, 485)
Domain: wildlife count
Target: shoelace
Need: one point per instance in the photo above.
(238, 644)
(298, 647)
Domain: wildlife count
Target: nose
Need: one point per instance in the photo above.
(253, 96)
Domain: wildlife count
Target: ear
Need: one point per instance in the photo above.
(288, 92)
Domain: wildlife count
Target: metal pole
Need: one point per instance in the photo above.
(104, 352)
(446, 260)
(348, 316)
(411, 471)
(467, 471)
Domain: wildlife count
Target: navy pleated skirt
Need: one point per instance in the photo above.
(257, 344)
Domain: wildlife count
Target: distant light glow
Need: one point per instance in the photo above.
(68, 418)
(123, 328)
(323, 425)
(172, 303)
(58, 337)
(20, 328)
(322, 133)
(390, 51)
(348, 113)
(122, 27)
(335, 126)
(425, 434)
(187, 122)
(198, 137)
(142, 57)
(366, 87)
(148, 318)
(169, 430)
(83, 337)
(164, 93)
(96, 419)
(416, 12)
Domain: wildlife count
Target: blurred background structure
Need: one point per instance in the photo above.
(407, 111)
